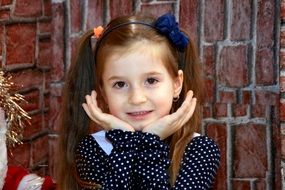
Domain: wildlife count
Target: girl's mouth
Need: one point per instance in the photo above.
(138, 115)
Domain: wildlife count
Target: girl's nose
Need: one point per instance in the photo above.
(137, 96)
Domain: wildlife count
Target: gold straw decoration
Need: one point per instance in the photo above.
(16, 117)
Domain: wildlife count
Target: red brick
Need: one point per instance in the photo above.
(40, 149)
(6, 2)
(266, 98)
(283, 146)
(28, 8)
(57, 62)
(45, 27)
(241, 19)
(47, 7)
(35, 127)
(264, 67)
(21, 43)
(76, 15)
(282, 59)
(189, 17)
(241, 185)
(218, 132)
(2, 40)
(282, 110)
(246, 97)
(258, 110)
(214, 20)
(250, 156)
(27, 79)
(282, 11)
(233, 68)
(126, 7)
(4, 15)
(207, 112)
(210, 86)
(53, 158)
(220, 110)
(265, 24)
(156, 9)
(45, 52)
(282, 38)
(20, 155)
(240, 110)
(261, 184)
(32, 99)
(282, 83)
(55, 107)
(209, 61)
(227, 97)
(95, 14)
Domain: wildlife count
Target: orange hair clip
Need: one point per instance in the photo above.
(98, 31)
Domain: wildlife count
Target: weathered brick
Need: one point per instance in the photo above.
(264, 67)
(282, 11)
(233, 68)
(210, 86)
(266, 97)
(157, 9)
(57, 62)
(283, 146)
(282, 38)
(265, 24)
(32, 99)
(258, 110)
(53, 158)
(55, 103)
(282, 59)
(27, 79)
(40, 149)
(249, 152)
(95, 14)
(261, 184)
(35, 127)
(218, 132)
(28, 8)
(246, 97)
(126, 7)
(20, 155)
(4, 15)
(189, 17)
(6, 2)
(76, 15)
(209, 61)
(47, 7)
(45, 27)
(282, 110)
(227, 97)
(239, 110)
(214, 20)
(45, 52)
(220, 110)
(241, 19)
(207, 112)
(241, 185)
(21, 43)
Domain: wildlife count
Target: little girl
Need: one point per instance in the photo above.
(145, 73)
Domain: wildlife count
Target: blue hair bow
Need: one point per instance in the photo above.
(167, 25)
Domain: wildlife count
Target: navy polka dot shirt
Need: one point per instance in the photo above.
(140, 161)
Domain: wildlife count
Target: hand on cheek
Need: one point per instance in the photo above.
(169, 124)
(107, 121)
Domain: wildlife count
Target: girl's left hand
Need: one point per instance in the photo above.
(169, 124)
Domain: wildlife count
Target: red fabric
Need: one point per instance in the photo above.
(48, 184)
(14, 177)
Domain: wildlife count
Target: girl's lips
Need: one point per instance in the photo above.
(138, 114)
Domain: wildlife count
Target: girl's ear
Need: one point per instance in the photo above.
(178, 84)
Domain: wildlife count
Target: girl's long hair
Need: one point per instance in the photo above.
(81, 80)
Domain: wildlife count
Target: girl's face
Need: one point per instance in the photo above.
(138, 88)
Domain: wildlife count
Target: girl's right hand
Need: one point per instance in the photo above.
(107, 121)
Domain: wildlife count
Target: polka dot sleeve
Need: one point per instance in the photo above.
(199, 166)
(148, 158)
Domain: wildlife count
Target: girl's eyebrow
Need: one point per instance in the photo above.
(144, 74)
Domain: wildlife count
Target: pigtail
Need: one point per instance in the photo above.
(75, 122)
(189, 61)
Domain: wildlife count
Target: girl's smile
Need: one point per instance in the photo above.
(137, 86)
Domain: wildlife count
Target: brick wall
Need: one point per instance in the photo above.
(238, 41)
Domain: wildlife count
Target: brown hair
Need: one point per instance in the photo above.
(81, 80)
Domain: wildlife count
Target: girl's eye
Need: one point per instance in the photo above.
(151, 81)
(119, 84)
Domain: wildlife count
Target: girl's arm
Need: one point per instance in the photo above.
(199, 166)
